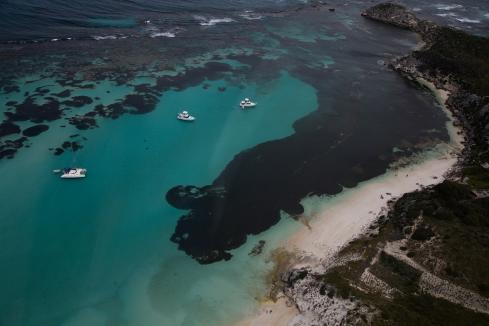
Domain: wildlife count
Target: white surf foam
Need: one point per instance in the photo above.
(250, 15)
(204, 21)
(163, 34)
(450, 14)
(448, 7)
(468, 20)
(169, 33)
(104, 37)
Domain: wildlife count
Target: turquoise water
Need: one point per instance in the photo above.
(98, 251)
(99, 248)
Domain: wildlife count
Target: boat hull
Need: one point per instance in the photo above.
(249, 106)
(64, 176)
(190, 119)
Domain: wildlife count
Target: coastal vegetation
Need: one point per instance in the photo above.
(425, 262)
(460, 56)
(440, 232)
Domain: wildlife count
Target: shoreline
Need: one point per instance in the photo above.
(362, 260)
(347, 215)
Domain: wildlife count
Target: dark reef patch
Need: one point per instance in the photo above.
(71, 145)
(193, 77)
(37, 113)
(114, 110)
(83, 122)
(42, 106)
(63, 94)
(41, 91)
(8, 148)
(75, 83)
(78, 101)
(8, 128)
(144, 88)
(146, 97)
(35, 130)
(327, 152)
(258, 184)
(140, 103)
(10, 89)
(8, 153)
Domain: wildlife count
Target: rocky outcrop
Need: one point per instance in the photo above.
(452, 60)
(428, 260)
(317, 302)
(399, 16)
(257, 249)
(393, 14)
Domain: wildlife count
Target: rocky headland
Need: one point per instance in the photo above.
(425, 259)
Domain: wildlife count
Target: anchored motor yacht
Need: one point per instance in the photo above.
(72, 173)
(247, 103)
(185, 116)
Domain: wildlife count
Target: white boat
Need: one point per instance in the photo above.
(247, 103)
(185, 116)
(73, 173)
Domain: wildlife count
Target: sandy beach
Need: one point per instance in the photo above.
(345, 216)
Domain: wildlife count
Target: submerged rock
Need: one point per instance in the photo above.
(257, 249)
(8, 148)
(11, 88)
(8, 128)
(83, 122)
(7, 153)
(28, 110)
(63, 94)
(140, 103)
(35, 130)
(78, 101)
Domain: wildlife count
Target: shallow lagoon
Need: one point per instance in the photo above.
(97, 251)
(117, 218)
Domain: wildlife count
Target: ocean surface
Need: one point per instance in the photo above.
(160, 231)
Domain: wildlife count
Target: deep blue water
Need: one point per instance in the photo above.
(27, 19)
(98, 251)
(54, 19)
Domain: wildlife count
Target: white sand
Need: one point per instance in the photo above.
(271, 313)
(346, 215)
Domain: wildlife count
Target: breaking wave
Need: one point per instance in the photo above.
(204, 21)
(104, 37)
(250, 15)
(468, 20)
(448, 7)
